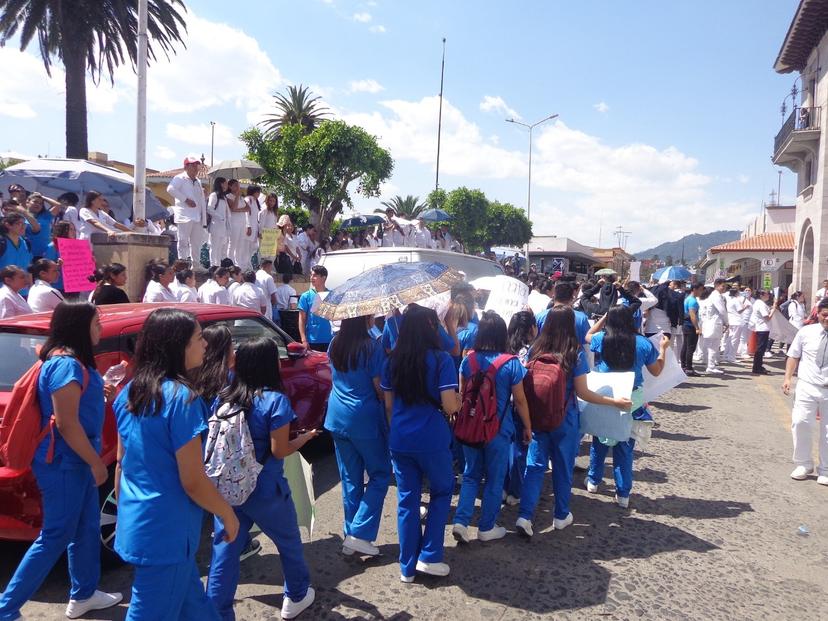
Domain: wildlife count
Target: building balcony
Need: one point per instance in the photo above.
(798, 139)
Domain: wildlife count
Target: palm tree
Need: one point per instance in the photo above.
(298, 107)
(408, 207)
(94, 35)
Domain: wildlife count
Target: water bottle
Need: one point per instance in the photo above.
(115, 374)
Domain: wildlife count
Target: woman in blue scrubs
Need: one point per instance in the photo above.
(356, 420)
(161, 486)
(492, 460)
(70, 389)
(621, 348)
(419, 380)
(257, 389)
(559, 339)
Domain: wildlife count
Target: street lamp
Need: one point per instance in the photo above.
(530, 127)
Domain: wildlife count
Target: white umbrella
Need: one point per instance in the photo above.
(237, 169)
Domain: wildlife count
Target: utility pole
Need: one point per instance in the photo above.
(139, 208)
(440, 116)
(212, 140)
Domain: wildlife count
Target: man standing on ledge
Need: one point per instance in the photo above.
(315, 331)
(190, 209)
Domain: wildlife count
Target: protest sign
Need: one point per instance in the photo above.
(538, 302)
(604, 421)
(508, 296)
(299, 475)
(671, 375)
(269, 242)
(635, 271)
(781, 329)
(78, 264)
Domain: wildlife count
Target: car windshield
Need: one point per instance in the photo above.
(19, 354)
(247, 328)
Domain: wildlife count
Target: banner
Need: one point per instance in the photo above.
(538, 302)
(671, 375)
(299, 475)
(78, 264)
(604, 421)
(269, 242)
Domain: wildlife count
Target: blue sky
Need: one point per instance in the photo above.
(667, 109)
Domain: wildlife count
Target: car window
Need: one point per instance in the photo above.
(249, 328)
(19, 354)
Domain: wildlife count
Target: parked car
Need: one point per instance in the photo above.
(306, 375)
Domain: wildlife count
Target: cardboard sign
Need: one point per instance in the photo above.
(605, 421)
(269, 242)
(635, 271)
(78, 264)
(299, 475)
(671, 375)
(508, 296)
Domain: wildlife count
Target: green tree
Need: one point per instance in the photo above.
(297, 107)
(436, 199)
(408, 207)
(506, 225)
(315, 169)
(87, 35)
(468, 210)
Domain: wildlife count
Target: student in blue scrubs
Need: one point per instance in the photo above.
(64, 229)
(615, 338)
(39, 236)
(161, 486)
(356, 420)
(492, 460)
(71, 389)
(315, 331)
(558, 339)
(419, 380)
(257, 389)
(447, 335)
(15, 249)
(467, 334)
(565, 296)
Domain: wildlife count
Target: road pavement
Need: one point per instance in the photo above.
(713, 532)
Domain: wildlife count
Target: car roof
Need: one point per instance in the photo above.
(117, 317)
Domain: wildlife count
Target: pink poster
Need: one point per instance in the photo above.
(78, 264)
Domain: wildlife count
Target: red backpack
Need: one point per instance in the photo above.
(545, 388)
(20, 431)
(477, 422)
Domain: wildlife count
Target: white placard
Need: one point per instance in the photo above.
(538, 301)
(671, 375)
(508, 296)
(635, 271)
(781, 329)
(605, 421)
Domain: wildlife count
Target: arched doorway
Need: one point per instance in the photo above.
(748, 270)
(806, 261)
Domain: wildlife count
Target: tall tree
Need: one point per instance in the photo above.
(468, 211)
(296, 107)
(408, 207)
(93, 35)
(506, 225)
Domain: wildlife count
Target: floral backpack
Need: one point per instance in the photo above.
(230, 457)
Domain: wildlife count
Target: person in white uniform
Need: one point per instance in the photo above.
(43, 297)
(95, 219)
(252, 200)
(796, 310)
(240, 229)
(12, 303)
(249, 295)
(214, 290)
(159, 276)
(742, 352)
(264, 279)
(189, 209)
(713, 319)
(808, 358)
(219, 226)
(185, 291)
(736, 308)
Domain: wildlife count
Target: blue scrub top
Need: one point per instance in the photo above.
(690, 303)
(52, 254)
(56, 373)
(645, 354)
(353, 407)
(581, 323)
(467, 336)
(271, 411)
(317, 329)
(391, 332)
(421, 427)
(20, 255)
(637, 316)
(39, 241)
(508, 375)
(158, 524)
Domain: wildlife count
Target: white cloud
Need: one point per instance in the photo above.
(378, 28)
(601, 107)
(743, 179)
(20, 94)
(362, 18)
(164, 153)
(199, 134)
(496, 104)
(366, 86)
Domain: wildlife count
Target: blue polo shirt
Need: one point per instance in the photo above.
(317, 329)
(391, 332)
(421, 427)
(467, 336)
(39, 241)
(581, 323)
(690, 303)
(645, 354)
(354, 410)
(158, 524)
(19, 255)
(271, 411)
(510, 374)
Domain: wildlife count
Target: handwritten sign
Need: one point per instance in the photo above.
(78, 264)
(270, 242)
(508, 296)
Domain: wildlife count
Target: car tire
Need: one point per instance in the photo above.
(109, 516)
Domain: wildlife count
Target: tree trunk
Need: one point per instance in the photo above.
(74, 61)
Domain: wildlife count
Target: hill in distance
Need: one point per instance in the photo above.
(691, 244)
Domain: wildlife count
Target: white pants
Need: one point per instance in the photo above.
(710, 350)
(239, 241)
(676, 342)
(190, 239)
(732, 338)
(743, 339)
(218, 243)
(809, 401)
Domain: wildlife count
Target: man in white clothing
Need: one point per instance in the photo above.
(306, 241)
(422, 236)
(264, 279)
(249, 295)
(190, 209)
(214, 290)
(808, 358)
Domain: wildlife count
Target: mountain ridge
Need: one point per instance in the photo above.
(691, 244)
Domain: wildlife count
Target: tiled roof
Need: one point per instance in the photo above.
(202, 172)
(779, 242)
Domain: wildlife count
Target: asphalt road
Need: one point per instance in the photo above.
(712, 533)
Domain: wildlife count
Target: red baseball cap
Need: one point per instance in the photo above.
(191, 159)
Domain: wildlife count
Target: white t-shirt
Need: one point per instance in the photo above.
(759, 317)
(213, 293)
(43, 297)
(810, 346)
(156, 292)
(268, 286)
(283, 294)
(267, 219)
(736, 305)
(186, 295)
(87, 215)
(70, 214)
(248, 295)
(182, 188)
(12, 303)
(796, 314)
(219, 214)
(292, 245)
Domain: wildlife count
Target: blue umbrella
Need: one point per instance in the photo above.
(672, 272)
(358, 222)
(434, 215)
(384, 288)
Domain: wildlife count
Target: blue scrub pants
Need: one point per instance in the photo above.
(169, 593)
(271, 507)
(458, 456)
(517, 462)
(622, 465)
(71, 522)
(561, 445)
(361, 503)
(492, 461)
(409, 470)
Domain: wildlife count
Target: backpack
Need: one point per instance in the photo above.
(545, 388)
(784, 309)
(230, 461)
(20, 431)
(477, 422)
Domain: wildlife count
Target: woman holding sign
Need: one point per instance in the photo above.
(615, 338)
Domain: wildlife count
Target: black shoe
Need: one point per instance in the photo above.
(691, 373)
(761, 372)
(251, 549)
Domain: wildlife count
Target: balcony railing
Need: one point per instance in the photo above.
(801, 119)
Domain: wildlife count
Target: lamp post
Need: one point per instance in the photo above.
(140, 170)
(530, 127)
(212, 140)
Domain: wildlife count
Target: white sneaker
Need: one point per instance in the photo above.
(591, 487)
(524, 527)
(622, 501)
(460, 533)
(423, 512)
(822, 479)
(714, 371)
(406, 579)
(495, 533)
(291, 609)
(360, 545)
(511, 501)
(800, 473)
(561, 524)
(99, 601)
(433, 569)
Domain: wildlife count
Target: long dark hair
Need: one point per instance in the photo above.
(618, 349)
(155, 269)
(257, 370)
(90, 197)
(217, 187)
(351, 342)
(519, 334)
(211, 377)
(69, 331)
(407, 361)
(491, 333)
(558, 338)
(159, 355)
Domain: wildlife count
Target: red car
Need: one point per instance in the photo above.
(306, 375)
